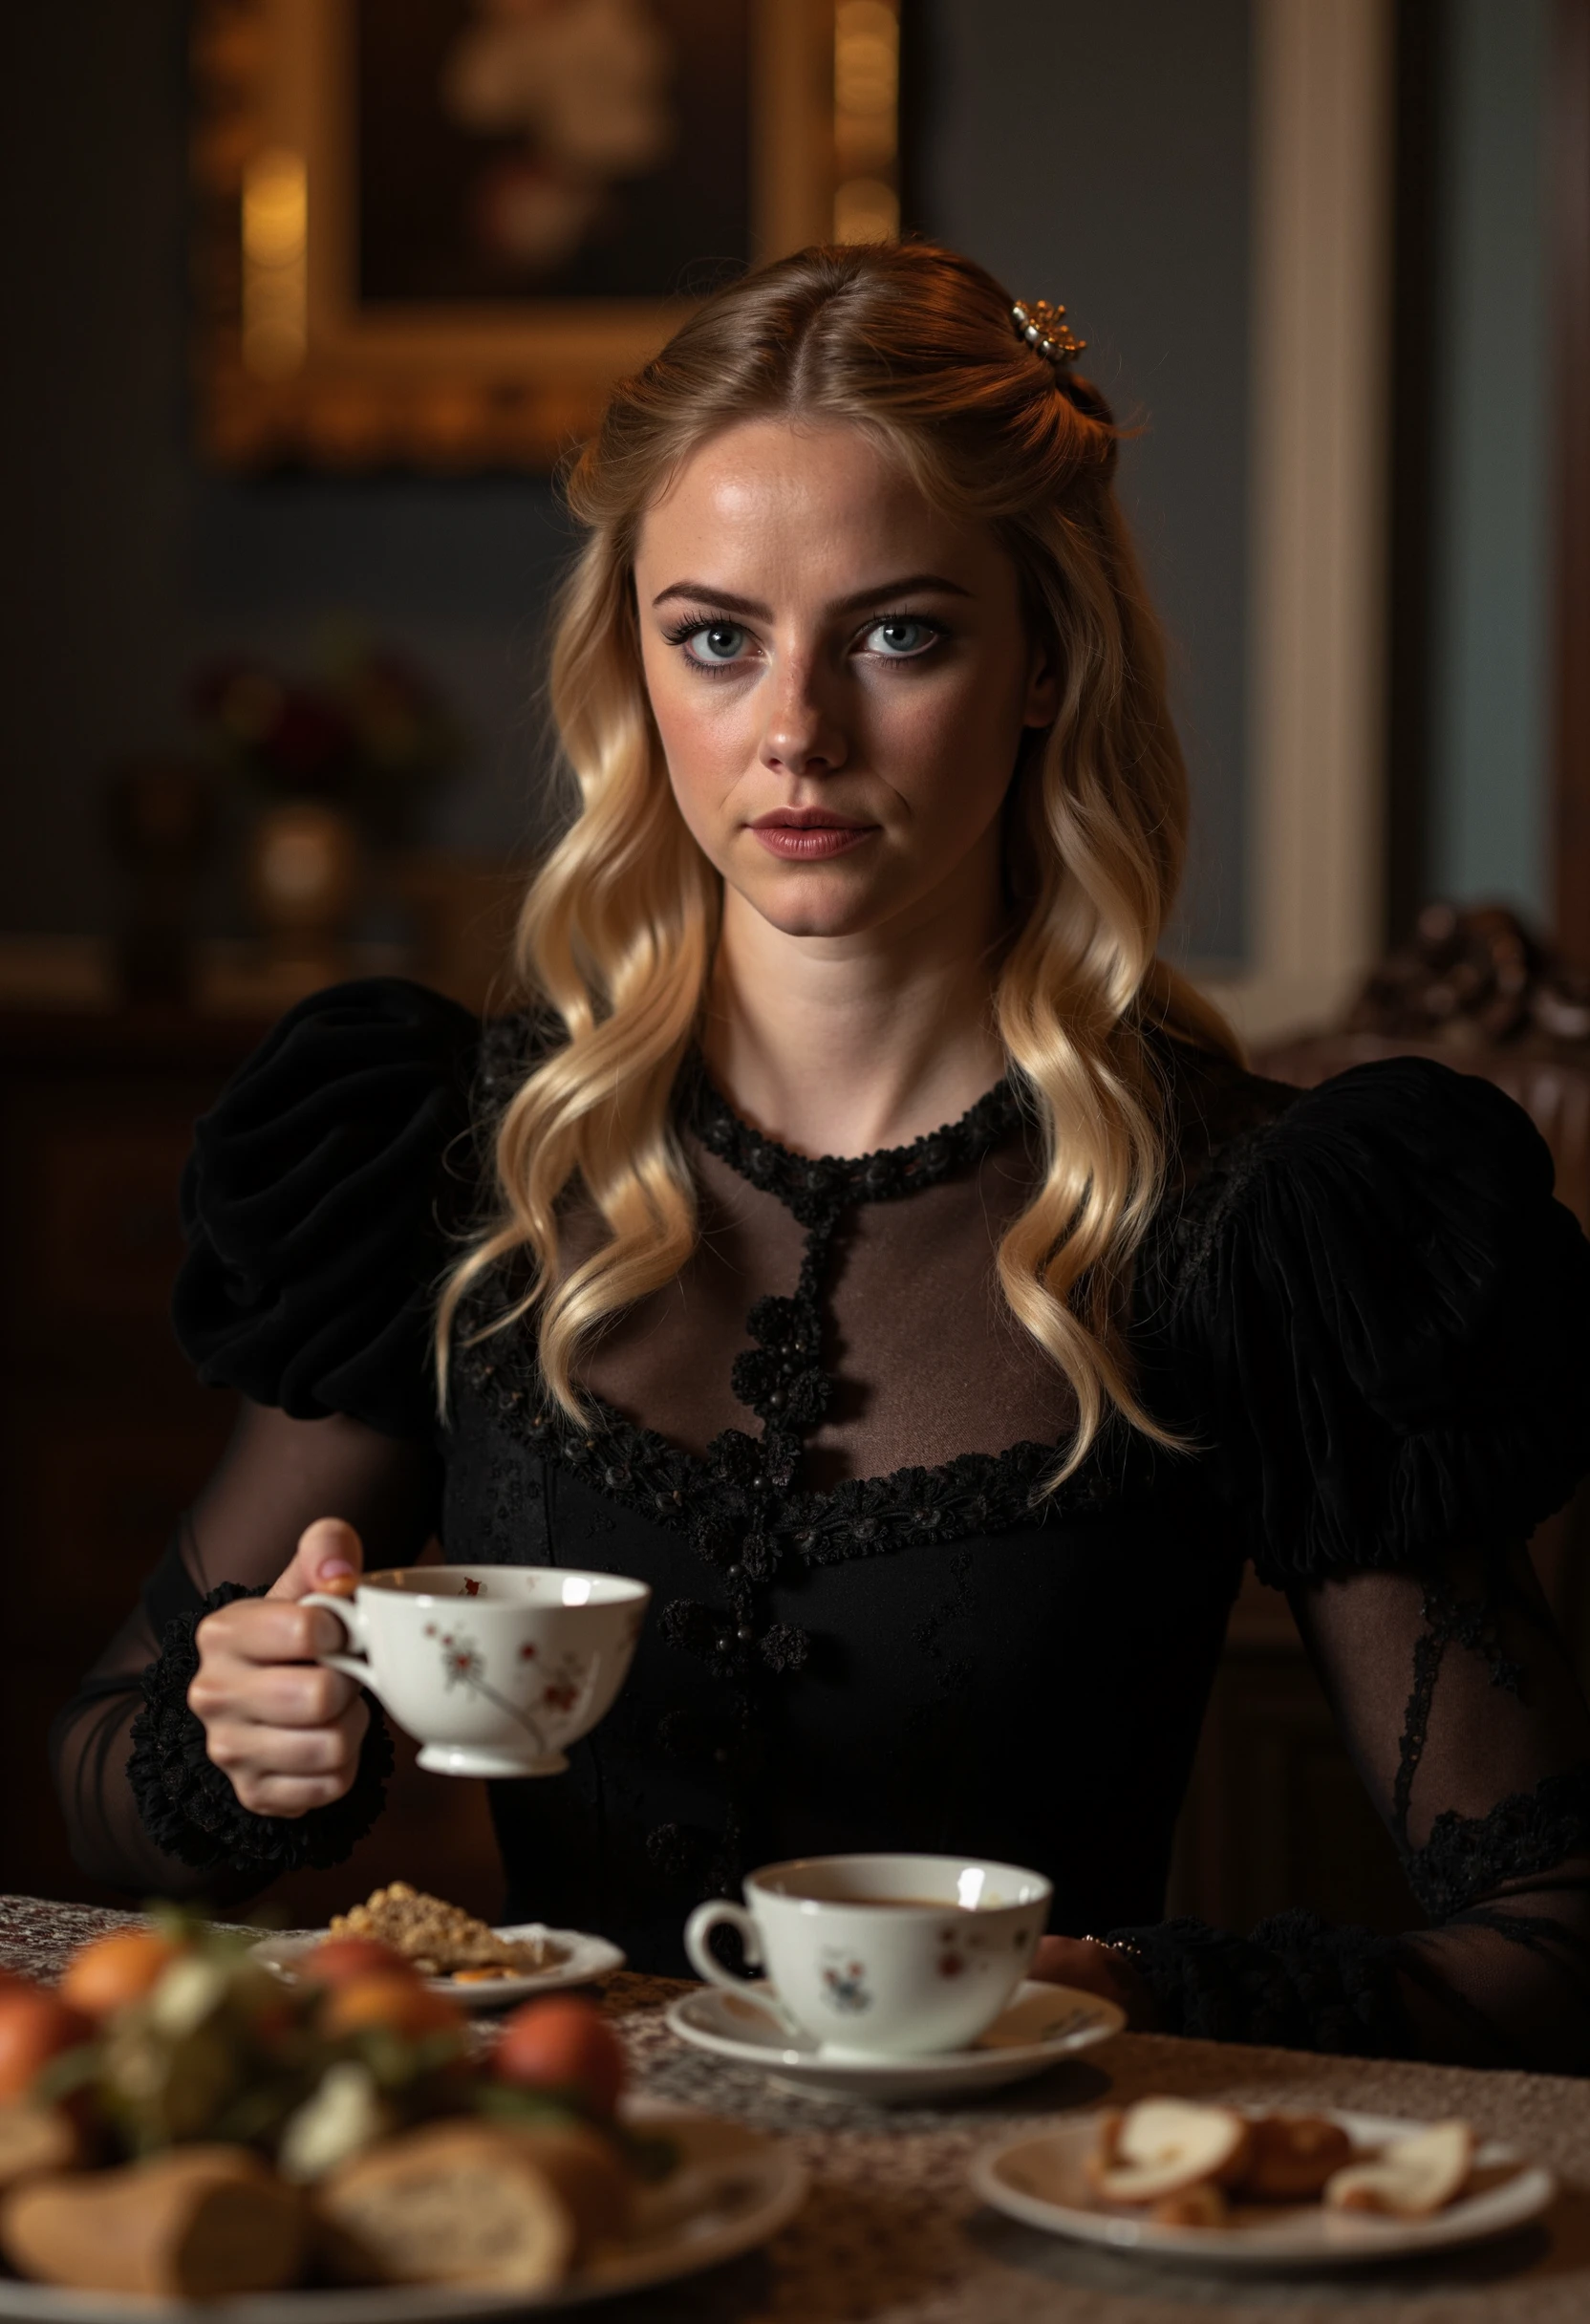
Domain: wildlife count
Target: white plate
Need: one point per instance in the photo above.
(1043, 2024)
(733, 2189)
(588, 1958)
(1042, 2182)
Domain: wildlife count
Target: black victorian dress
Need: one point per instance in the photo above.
(824, 1447)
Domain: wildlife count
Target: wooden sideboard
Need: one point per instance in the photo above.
(104, 1434)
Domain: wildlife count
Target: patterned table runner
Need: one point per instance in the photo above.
(892, 2235)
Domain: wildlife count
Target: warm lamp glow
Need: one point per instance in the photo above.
(275, 270)
(866, 120)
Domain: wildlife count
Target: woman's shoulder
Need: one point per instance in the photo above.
(321, 1194)
(1378, 1305)
(1408, 1129)
(351, 1076)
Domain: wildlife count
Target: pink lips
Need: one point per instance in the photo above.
(809, 834)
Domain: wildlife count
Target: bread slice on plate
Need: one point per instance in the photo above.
(455, 2202)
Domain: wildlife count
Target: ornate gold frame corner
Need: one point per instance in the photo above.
(290, 370)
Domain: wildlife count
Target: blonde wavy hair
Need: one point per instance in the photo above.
(616, 938)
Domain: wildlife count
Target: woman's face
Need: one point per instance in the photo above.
(840, 677)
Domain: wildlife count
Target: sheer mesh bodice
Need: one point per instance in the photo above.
(823, 1446)
(903, 1391)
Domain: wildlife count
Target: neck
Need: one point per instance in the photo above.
(840, 1046)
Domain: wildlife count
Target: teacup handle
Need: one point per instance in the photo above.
(352, 1616)
(699, 1926)
(721, 1914)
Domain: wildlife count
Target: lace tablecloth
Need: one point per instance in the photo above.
(892, 2235)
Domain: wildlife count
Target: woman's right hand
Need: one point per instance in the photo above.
(287, 1731)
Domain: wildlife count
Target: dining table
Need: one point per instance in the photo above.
(891, 2232)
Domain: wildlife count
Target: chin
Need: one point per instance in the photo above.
(813, 907)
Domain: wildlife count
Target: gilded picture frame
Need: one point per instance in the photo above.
(382, 281)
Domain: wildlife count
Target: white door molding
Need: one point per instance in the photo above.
(1318, 532)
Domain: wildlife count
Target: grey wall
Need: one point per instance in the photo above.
(1490, 674)
(1097, 156)
(1100, 155)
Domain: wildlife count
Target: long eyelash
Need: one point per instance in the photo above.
(693, 623)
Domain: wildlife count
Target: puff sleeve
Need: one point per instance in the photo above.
(317, 1203)
(1386, 1326)
(1383, 1322)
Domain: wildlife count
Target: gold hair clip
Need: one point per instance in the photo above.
(1044, 329)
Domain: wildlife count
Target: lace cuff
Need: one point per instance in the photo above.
(1295, 1983)
(187, 1803)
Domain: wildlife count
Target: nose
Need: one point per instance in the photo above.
(802, 735)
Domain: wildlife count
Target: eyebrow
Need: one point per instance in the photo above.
(698, 593)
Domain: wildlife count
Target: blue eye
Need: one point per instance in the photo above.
(900, 638)
(717, 644)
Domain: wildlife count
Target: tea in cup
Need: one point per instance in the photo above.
(493, 1668)
(881, 1956)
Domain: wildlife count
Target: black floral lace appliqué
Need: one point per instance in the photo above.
(1527, 1833)
(739, 1503)
(1467, 1857)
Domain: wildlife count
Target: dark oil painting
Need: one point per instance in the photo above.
(566, 149)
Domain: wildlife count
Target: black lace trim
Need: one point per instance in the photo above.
(1302, 1984)
(812, 1188)
(1450, 1621)
(1466, 1857)
(1296, 1983)
(187, 1803)
(713, 1496)
(738, 1502)
(1528, 1832)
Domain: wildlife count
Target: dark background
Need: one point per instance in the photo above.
(1094, 157)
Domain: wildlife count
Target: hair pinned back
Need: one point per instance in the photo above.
(913, 344)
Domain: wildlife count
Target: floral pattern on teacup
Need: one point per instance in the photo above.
(844, 1985)
(464, 1664)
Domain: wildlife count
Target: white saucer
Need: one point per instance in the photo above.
(1041, 2181)
(588, 1959)
(1042, 2025)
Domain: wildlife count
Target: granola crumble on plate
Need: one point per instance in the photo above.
(442, 1940)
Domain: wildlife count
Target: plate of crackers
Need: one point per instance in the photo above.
(1235, 2187)
(478, 1967)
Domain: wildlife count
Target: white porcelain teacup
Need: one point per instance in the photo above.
(494, 1668)
(881, 1956)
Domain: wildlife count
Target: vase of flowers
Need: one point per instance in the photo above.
(340, 765)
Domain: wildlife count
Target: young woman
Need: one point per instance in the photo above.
(863, 1236)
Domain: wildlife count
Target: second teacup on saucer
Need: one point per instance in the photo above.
(1042, 2025)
